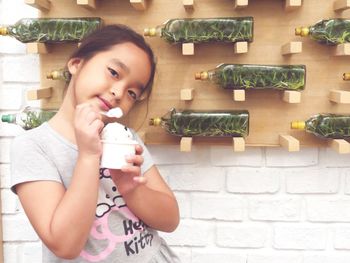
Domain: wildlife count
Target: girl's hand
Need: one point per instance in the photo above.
(129, 177)
(87, 126)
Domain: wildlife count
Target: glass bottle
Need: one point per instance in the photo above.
(326, 125)
(346, 76)
(232, 123)
(329, 31)
(198, 30)
(51, 30)
(59, 74)
(29, 118)
(240, 76)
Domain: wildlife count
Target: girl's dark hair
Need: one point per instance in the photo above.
(108, 36)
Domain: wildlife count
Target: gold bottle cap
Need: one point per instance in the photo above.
(298, 125)
(302, 31)
(201, 75)
(346, 76)
(150, 32)
(52, 75)
(155, 121)
(3, 31)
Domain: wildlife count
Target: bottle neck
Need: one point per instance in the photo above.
(302, 31)
(157, 121)
(10, 118)
(152, 32)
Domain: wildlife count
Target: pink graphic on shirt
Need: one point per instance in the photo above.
(104, 233)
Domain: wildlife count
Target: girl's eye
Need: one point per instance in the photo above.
(114, 73)
(132, 94)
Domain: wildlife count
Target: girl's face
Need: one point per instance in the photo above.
(112, 78)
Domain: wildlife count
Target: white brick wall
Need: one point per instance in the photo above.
(259, 206)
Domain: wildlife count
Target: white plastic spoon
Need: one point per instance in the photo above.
(113, 113)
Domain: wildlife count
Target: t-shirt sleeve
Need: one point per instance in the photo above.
(30, 163)
(147, 158)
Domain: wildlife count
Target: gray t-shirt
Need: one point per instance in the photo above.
(117, 235)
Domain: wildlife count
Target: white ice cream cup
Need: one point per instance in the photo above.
(114, 153)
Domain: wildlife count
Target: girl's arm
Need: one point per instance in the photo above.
(63, 217)
(148, 197)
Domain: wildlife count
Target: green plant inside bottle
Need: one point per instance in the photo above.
(198, 30)
(241, 76)
(326, 125)
(52, 30)
(205, 123)
(329, 31)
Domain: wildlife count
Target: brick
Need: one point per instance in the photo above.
(330, 158)
(21, 69)
(299, 237)
(251, 180)
(9, 45)
(32, 252)
(11, 97)
(282, 209)
(228, 207)
(278, 157)
(184, 202)
(189, 233)
(342, 238)
(275, 257)
(194, 178)
(12, 252)
(9, 202)
(18, 228)
(172, 156)
(328, 258)
(312, 181)
(5, 179)
(5, 145)
(328, 210)
(224, 156)
(241, 236)
(217, 255)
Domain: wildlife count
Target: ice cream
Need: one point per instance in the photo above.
(116, 132)
(118, 143)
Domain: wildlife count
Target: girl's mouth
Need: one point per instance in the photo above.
(105, 104)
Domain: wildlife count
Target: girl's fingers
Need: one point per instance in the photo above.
(135, 159)
(138, 149)
(140, 179)
(132, 170)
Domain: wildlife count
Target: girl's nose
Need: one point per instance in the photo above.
(117, 91)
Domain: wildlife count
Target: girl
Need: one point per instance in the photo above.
(81, 212)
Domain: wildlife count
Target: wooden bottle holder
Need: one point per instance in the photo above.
(291, 5)
(187, 94)
(43, 5)
(340, 146)
(37, 48)
(239, 48)
(341, 5)
(38, 94)
(188, 4)
(342, 50)
(241, 3)
(291, 96)
(238, 144)
(89, 4)
(339, 96)
(293, 47)
(139, 4)
(289, 143)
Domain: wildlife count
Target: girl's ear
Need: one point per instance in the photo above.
(74, 64)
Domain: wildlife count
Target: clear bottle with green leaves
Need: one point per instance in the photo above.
(241, 76)
(329, 31)
(188, 123)
(51, 30)
(199, 30)
(29, 118)
(326, 125)
(59, 74)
